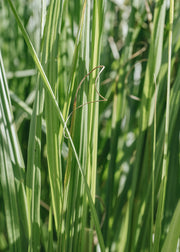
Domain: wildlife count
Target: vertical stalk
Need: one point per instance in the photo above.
(161, 203)
(153, 172)
(98, 14)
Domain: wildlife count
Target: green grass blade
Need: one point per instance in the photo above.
(153, 171)
(171, 240)
(161, 203)
(60, 116)
(9, 192)
(93, 113)
(91, 165)
(11, 171)
(33, 177)
(72, 75)
(142, 156)
(51, 36)
(13, 136)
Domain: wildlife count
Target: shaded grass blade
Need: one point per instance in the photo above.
(170, 243)
(143, 146)
(163, 185)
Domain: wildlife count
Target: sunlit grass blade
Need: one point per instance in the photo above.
(51, 36)
(96, 176)
(72, 75)
(33, 175)
(9, 193)
(60, 116)
(33, 178)
(93, 109)
(11, 172)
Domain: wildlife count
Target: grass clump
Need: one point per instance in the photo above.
(84, 166)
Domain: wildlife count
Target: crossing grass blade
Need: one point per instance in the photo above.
(60, 116)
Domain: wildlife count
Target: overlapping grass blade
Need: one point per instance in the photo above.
(51, 36)
(33, 175)
(12, 168)
(112, 155)
(60, 116)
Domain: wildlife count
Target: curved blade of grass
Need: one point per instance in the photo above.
(60, 116)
